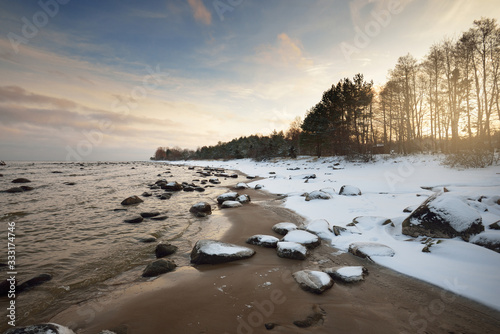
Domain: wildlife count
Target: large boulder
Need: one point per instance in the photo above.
(443, 215)
(284, 228)
(213, 252)
(158, 267)
(347, 274)
(263, 240)
(349, 191)
(201, 207)
(321, 228)
(49, 328)
(132, 200)
(291, 250)
(313, 281)
(302, 237)
(231, 196)
(369, 249)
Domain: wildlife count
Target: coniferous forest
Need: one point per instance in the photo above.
(447, 102)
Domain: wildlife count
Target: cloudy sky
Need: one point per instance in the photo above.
(114, 80)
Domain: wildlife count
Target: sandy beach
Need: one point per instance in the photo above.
(259, 295)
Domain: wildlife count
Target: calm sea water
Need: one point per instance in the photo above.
(76, 234)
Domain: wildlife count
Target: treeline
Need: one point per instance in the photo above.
(446, 102)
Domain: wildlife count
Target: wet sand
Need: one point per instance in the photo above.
(244, 296)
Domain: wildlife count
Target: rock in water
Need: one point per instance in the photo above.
(369, 249)
(14, 190)
(134, 220)
(443, 215)
(163, 250)
(35, 281)
(349, 191)
(202, 207)
(263, 240)
(21, 180)
(158, 267)
(313, 281)
(49, 328)
(213, 252)
(132, 200)
(284, 228)
(291, 250)
(149, 214)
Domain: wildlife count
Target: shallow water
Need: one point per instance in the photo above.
(73, 232)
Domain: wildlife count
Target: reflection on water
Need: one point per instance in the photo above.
(68, 226)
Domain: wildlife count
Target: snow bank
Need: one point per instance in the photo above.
(390, 185)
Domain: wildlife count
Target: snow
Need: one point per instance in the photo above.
(372, 249)
(349, 191)
(487, 237)
(349, 272)
(292, 246)
(390, 185)
(231, 204)
(317, 194)
(211, 247)
(460, 215)
(285, 226)
(301, 237)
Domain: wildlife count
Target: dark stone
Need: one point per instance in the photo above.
(163, 250)
(188, 189)
(147, 240)
(26, 188)
(135, 220)
(21, 180)
(147, 194)
(437, 223)
(199, 189)
(35, 281)
(337, 230)
(165, 196)
(158, 267)
(56, 172)
(202, 207)
(69, 183)
(159, 218)
(173, 186)
(149, 214)
(4, 287)
(270, 325)
(495, 225)
(14, 190)
(132, 200)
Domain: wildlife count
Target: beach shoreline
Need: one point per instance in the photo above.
(244, 296)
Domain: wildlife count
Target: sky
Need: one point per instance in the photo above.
(114, 80)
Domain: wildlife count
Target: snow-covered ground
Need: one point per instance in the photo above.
(389, 186)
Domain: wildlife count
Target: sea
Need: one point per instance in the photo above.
(71, 226)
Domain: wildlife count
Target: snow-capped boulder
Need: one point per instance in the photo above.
(231, 196)
(321, 228)
(488, 239)
(284, 228)
(241, 185)
(213, 251)
(443, 215)
(291, 250)
(302, 237)
(263, 240)
(158, 267)
(214, 180)
(258, 186)
(173, 186)
(201, 207)
(370, 249)
(243, 199)
(313, 281)
(347, 274)
(317, 194)
(347, 190)
(231, 204)
(49, 328)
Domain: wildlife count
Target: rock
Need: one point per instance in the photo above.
(213, 252)
(368, 222)
(147, 239)
(337, 230)
(291, 250)
(230, 196)
(159, 218)
(313, 281)
(231, 204)
(21, 180)
(2, 163)
(321, 228)
(243, 199)
(302, 237)
(489, 239)
(347, 274)
(158, 267)
(14, 190)
(132, 200)
(317, 194)
(69, 183)
(369, 249)
(188, 189)
(165, 196)
(149, 214)
(263, 240)
(35, 281)
(214, 180)
(495, 225)
(284, 228)
(163, 250)
(201, 207)
(251, 177)
(258, 186)
(173, 186)
(146, 194)
(233, 176)
(241, 185)
(199, 189)
(49, 328)
(26, 188)
(443, 215)
(314, 319)
(349, 191)
(410, 209)
(134, 220)
(5, 287)
(310, 176)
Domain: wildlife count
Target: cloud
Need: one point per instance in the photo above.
(19, 95)
(200, 12)
(286, 52)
